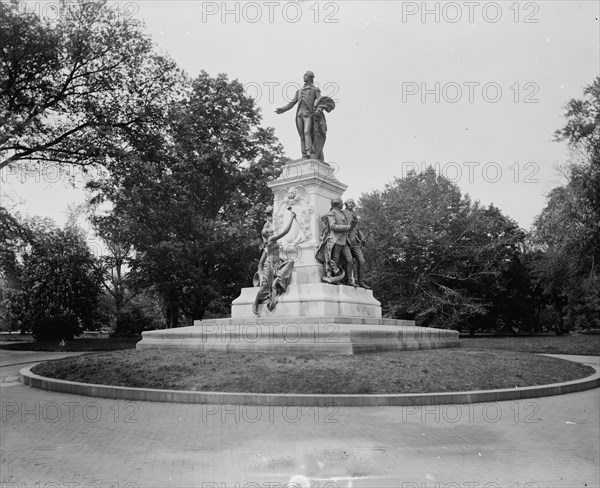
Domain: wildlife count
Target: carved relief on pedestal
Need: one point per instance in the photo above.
(297, 199)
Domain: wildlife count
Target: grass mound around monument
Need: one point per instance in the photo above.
(425, 371)
(578, 344)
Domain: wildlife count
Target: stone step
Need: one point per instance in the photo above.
(299, 336)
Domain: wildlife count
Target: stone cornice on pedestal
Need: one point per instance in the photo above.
(308, 172)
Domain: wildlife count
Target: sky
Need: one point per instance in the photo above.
(475, 89)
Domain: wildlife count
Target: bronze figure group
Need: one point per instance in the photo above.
(341, 246)
(339, 251)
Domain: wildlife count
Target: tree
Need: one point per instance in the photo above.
(113, 267)
(74, 90)
(567, 231)
(191, 195)
(56, 278)
(582, 133)
(433, 254)
(583, 122)
(15, 237)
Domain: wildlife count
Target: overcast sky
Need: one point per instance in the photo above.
(475, 89)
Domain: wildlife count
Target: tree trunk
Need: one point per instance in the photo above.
(174, 315)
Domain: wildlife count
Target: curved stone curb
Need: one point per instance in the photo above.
(407, 399)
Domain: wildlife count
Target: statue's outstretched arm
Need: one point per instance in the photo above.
(285, 231)
(285, 108)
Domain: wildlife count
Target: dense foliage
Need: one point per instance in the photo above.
(73, 89)
(189, 198)
(439, 258)
(566, 235)
(131, 322)
(56, 286)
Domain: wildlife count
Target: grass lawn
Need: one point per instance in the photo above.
(583, 344)
(439, 370)
(76, 345)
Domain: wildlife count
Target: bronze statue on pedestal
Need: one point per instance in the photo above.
(334, 252)
(274, 273)
(310, 119)
(356, 240)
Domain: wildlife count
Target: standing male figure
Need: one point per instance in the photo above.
(339, 226)
(305, 98)
(356, 239)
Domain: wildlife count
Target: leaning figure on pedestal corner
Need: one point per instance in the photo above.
(274, 273)
(310, 120)
(334, 251)
(356, 241)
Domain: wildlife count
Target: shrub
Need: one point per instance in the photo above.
(131, 323)
(56, 328)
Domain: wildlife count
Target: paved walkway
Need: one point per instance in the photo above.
(60, 440)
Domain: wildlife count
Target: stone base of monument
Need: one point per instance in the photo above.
(337, 335)
(311, 300)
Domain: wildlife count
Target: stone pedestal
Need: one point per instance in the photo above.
(311, 300)
(311, 316)
(307, 187)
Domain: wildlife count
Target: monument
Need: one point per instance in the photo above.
(305, 298)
